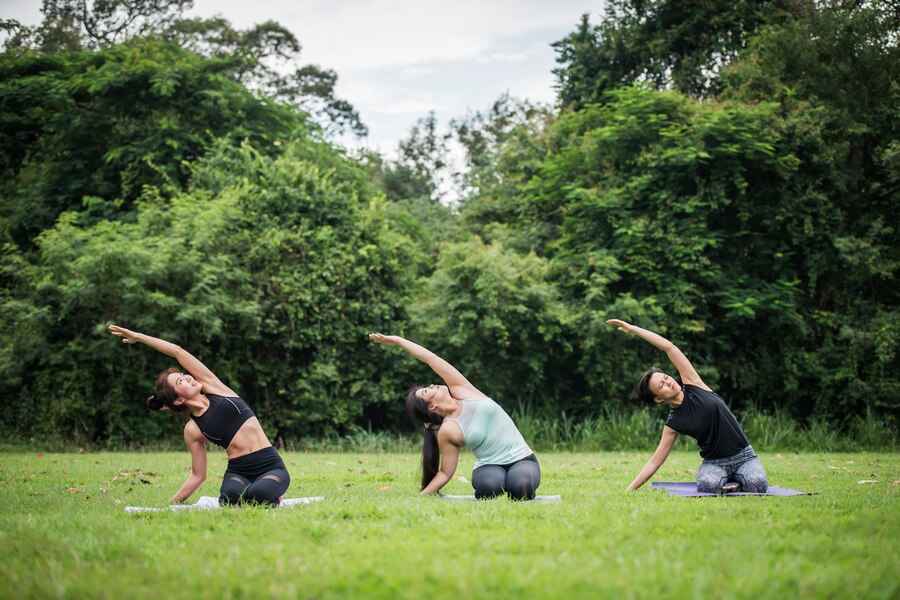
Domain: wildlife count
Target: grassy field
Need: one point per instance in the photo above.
(64, 532)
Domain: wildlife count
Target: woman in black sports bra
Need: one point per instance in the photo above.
(255, 470)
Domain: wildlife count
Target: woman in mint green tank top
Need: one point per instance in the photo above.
(456, 414)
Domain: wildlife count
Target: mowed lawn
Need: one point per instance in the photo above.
(64, 533)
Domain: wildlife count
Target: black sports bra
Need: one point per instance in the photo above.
(223, 418)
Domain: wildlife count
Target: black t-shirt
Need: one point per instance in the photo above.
(705, 417)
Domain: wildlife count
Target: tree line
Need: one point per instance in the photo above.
(721, 172)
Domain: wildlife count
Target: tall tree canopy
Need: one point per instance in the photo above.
(90, 129)
(258, 57)
(723, 173)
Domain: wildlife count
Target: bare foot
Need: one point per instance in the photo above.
(731, 486)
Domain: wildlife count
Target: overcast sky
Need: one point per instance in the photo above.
(397, 60)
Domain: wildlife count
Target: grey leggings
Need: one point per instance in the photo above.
(743, 468)
(519, 479)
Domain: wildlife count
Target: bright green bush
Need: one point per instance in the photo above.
(272, 279)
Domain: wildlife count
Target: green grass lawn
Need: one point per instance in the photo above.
(64, 533)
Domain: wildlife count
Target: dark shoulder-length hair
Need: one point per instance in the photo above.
(644, 393)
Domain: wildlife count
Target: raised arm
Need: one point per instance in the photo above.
(666, 444)
(196, 443)
(188, 361)
(676, 357)
(459, 385)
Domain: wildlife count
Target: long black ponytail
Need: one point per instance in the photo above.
(431, 452)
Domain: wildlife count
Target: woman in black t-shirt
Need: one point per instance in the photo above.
(729, 462)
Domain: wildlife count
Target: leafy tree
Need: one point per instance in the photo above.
(753, 231)
(420, 167)
(836, 74)
(271, 270)
(504, 148)
(666, 44)
(492, 313)
(104, 124)
(254, 54)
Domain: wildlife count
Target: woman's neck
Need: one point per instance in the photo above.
(677, 400)
(198, 404)
(454, 407)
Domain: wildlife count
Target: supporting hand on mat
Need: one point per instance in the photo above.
(666, 443)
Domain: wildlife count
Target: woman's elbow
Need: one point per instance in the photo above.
(656, 463)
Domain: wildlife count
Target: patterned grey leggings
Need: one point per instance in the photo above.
(744, 468)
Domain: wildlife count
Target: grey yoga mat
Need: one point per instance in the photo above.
(688, 489)
(537, 499)
(212, 503)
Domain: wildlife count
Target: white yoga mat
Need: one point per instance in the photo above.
(537, 499)
(212, 503)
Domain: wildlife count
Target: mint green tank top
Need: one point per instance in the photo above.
(490, 433)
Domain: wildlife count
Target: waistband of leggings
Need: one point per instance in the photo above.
(531, 457)
(266, 455)
(745, 454)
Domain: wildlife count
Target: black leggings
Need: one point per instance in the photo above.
(519, 479)
(259, 477)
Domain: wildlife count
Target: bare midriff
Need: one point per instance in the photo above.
(249, 438)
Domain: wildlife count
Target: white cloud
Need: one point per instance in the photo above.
(397, 60)
(380, 33)
(503, 57)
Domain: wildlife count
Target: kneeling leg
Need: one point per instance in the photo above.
(752, 477)
(710, 478)
(522, 479)
(233, 488)
(268, 487)
(488, 481)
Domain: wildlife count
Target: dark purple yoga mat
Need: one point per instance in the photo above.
(689, 489)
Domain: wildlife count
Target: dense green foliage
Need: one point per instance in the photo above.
(372, 534)
(264, 57)
(89, 129)
(752, 228)
(723, 173)
(270, 270)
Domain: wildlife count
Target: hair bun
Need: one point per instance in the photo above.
(154, 403)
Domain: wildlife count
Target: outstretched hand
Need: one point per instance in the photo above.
(128, 336)
(387, 340)
(622, 325)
